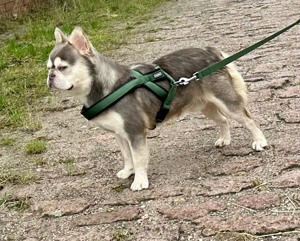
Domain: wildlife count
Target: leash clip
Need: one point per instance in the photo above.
(185, 81)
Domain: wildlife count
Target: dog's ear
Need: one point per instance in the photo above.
(80, 41)
(59, 36)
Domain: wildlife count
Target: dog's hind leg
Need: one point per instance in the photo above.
(240, 114)
(126, 152)
(212, 112)
(259, 140)
(140, 156)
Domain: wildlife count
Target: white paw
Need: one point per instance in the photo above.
(259, 145)
(140, 182)
(222, 142)
(125, 173)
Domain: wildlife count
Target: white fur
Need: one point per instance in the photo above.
(104, 120)
(135, 66)
(136, 159)
(237, 80)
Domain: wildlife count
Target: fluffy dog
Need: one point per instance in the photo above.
(75, 66)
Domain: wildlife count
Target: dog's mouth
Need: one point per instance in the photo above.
(53, 87)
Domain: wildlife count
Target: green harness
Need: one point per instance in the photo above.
(148, 81)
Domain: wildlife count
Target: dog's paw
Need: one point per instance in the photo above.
(222, 142)
(259, 145)
(125, 173)
(140, 182)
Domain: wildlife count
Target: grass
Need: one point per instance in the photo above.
(26, 41)
(7, 141)
(16, 177)
(35, 146)
(120, 187)
(70, 168)
(19, 204)
(38, 161)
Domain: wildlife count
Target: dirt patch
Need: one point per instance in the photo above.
(197, 191)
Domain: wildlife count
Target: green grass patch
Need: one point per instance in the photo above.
(36, 146)
(16, 177)
(38, 161)
(70, 168)
(29, 39)
(17, 204)
(7, 141)
(67, 161)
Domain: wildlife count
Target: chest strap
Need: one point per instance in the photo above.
(148, 81)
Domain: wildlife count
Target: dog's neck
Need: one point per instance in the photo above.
(107, 76)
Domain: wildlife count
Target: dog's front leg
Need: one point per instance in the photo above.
(140, 156)
(126, 152)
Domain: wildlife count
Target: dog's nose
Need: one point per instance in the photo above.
(52, 76)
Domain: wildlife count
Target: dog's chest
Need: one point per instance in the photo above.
(110, 121)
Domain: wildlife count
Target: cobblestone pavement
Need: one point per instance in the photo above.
(197, 192)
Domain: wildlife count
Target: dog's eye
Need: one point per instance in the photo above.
(62, 68)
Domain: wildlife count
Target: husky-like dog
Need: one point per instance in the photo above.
(75, 66)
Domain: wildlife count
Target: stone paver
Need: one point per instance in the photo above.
(193, 212)
(251, 224)
(197, 192)
(123, 214)
(261, 201)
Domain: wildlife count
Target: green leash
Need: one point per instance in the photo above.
(210, 69)
(148, 81)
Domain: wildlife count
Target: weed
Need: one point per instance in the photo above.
(265, 7)
(3, 200)
(224, 10)
(69, 169)
(18, 205)
(170, 20)
(9, 237)
(35, 146)
(129, 26)
(69, 166)
(17, 177)
(67, 161)
(38, 161)
(120, 187)
(149, 39)
(7, 141)
(232, 236)
(121, 234)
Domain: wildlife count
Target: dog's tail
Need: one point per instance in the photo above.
(237, 80)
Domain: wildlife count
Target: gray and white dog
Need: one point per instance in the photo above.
(75, 66)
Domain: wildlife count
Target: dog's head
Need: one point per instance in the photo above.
(70, 63)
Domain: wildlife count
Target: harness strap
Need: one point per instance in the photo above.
(139, 81)
(164, 110)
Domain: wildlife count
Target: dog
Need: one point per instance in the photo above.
(76, 67)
